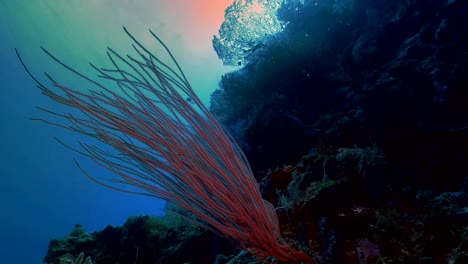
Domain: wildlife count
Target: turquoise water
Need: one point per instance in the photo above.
(42, 193)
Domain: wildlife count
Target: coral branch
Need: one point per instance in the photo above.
(166, 144)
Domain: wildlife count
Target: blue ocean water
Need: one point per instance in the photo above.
(42, 193)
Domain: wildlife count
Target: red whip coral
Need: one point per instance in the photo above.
(167, 145)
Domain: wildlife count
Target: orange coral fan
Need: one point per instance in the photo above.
(168, 145)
